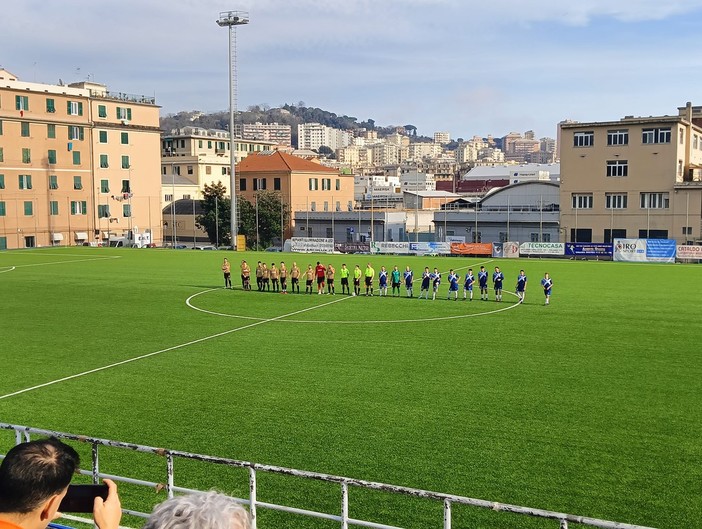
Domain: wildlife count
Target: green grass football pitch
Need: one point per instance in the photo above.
(592, 405)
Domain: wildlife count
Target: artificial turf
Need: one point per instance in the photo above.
(589, 406)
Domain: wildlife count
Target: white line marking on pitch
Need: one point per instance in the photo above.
(68, 262)
(180, 346)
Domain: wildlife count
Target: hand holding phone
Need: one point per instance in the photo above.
(81, 498)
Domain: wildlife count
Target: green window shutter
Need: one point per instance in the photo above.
(103, 161)
(73, 207)
(81, 133)
(52, 156)
(102, 111)
(84, 207)
(126, 210)
(26, 156)
(104, 186)
(125, 138)
(102, 136)
(2, 209)
(129, 114)
(51, 131)
(50, 105)
(25, 129)
(125, 187)
(68, 109)
(18, 105)
(0, 127)
(77, 182)
(29, 181)
(80, 109)
(54, 208)
(125, 162)
(2, 155)
(53, 181)
(2, 181)
(28, 207)
(76, 157)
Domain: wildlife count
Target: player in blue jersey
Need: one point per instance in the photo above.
(497, 278)
(435, 277)
(409, 280)
(547, 283)
(395, 281)
(468, 284)
(426, 279)
(521, 286)
(453, 285)
(383, 281)
(483, 282)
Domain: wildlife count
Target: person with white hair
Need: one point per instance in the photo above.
(200, 510)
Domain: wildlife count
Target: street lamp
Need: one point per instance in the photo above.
(230, 19)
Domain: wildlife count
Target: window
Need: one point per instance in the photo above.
(655, 201)
(186, 197)
(687, 230)
(209, 144)
(583, 139)
(657, 135)
(2, 181)
(338, 184)
(28, 208)
(199, 144)
(104, 186)
(74, 108)
(326, 206)
(126, 210)
(53, 207)
(616, 200)
(534, 237)
(477, 237)
(276, 184)
(349, 205)
(314, 184)
(581, 235)
(618, 137)
(653, 234)
(102, 111)
(326, 184)
(50, 106)
(545, 237)
(77, 133)
(0, 127)
(259, 184)
(242, 184)
(2, 209)
(694, 141)
(21, 103)
(208, 169)
(168, 198)
(124, 114)
(125, 162)
(25, 181)
(126, 188)
(103, 211)
(24, 128)
(79, 207)
(76, 157)
(51, 131)
(77, 182)
(53, 181)
(617, 168)
(313, 206)
(338, 206)
(2, 155)
(330, 233)
(682, 136)
(582, 201)
(52, 156)
(102, 136)
(104, 162)
(503, 236)
(190, 169)
(124, 138)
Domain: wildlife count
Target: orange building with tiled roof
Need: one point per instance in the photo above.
(304, 185)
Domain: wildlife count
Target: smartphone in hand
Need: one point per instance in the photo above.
(80, 498)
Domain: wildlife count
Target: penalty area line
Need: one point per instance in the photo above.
(173, 348)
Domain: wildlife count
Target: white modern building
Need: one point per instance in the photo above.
(314, 135)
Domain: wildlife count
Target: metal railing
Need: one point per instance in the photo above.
(23, 433)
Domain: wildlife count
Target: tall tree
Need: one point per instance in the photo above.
(271, 212)
(216, 214)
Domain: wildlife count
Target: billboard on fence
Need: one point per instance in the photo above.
(471, 248)
(390, 247)
(688, 252)
(312, 245)
(510, 250)
(660, 250)
(630, 250)
(497, 249)
(542, 248)
(589, 249)
(455, 238)
(423, 248)
(352, 247)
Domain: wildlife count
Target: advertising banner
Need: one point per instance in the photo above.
(352, 247)
(688, 252)
(510, 250)
(630, 250)
(311, 245)
(455, 238)
(424, 248)
(660, 250)
(542, 248)
(588, 249)
(471, 248)
(390, 247)
(497, 249)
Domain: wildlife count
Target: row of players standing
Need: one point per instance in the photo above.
(276, 277)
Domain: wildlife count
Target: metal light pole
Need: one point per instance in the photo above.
(173, 217)
(230, 19)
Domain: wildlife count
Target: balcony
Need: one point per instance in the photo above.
(121, 96)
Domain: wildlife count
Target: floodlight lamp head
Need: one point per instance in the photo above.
(232, 18)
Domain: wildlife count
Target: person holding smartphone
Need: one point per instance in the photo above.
(34, 483)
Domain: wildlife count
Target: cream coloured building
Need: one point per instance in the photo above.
(636, 177)
(77, 164)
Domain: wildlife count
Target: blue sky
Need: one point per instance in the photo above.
(460, 66)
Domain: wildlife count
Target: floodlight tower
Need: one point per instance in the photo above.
(231, 19)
